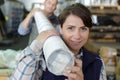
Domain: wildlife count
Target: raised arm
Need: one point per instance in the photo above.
(26, 24)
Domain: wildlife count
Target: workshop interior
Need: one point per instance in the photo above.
(104, 37)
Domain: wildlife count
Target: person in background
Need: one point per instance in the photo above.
(75, 23)
(28, 24)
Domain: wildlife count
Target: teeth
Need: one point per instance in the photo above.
(79, 41)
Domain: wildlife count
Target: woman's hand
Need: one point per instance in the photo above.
(46, 34)
(76, 71)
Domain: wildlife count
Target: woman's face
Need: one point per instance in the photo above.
(74, 33)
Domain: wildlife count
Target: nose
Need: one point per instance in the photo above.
(51, 6)
(77, 35)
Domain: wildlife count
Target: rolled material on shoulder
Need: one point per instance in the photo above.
(57, 54)
(42, 22)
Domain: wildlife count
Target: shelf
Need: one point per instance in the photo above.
(5, 73)
(104, 9)
(105, 29)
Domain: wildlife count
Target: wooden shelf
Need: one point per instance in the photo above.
(5, 73)
(3, 77)
(104, 9)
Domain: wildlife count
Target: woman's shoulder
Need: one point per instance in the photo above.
(91, 56)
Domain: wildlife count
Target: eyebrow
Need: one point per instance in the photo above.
(74, 26)
(83, 26)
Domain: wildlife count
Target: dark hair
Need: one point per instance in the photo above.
(78, 10)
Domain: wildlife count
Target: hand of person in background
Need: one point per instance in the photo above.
(76, 71)
(34, 10)
(39, 10)
(26, 21)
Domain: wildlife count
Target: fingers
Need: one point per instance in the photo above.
(76, 71)
(34, 10)
(37, 9)
(46, 34)
(70, 75)
(78, 62)
(74, 76)
(77, 67)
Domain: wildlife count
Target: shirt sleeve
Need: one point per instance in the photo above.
(22, 30)
(27, 66)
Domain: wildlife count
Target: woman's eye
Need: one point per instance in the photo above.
(83, 28)
(70, 28)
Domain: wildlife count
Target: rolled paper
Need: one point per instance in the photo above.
(57, 54)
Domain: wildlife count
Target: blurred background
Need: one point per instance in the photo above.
(104, 37)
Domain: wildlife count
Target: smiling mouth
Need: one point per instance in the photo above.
(76, 43)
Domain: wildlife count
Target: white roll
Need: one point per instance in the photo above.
(42, 22)
(57, 54)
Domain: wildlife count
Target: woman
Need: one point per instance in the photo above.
(75, 22)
